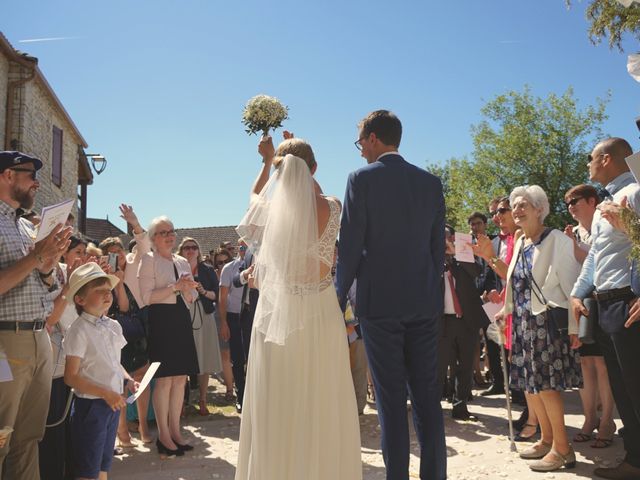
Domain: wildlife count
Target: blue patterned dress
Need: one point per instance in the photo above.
(540, 359)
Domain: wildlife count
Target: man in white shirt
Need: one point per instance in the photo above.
(229, 308)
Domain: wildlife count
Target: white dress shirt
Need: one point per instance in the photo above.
(98, 342)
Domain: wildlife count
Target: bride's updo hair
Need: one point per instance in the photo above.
(296, 147)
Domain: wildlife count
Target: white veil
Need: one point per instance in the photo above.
(281, 228)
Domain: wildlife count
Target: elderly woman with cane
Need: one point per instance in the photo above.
(544, 362)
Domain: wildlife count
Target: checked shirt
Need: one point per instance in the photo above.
(27, 301)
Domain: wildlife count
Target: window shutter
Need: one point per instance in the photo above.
(56, 156)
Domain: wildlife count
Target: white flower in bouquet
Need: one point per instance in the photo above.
(262, 113)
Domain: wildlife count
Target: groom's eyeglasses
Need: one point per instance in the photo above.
(358, 144)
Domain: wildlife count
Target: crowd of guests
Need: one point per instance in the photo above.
(93, 318)
(544, 278)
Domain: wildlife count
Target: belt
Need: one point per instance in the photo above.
(17, 326)
(614, 294)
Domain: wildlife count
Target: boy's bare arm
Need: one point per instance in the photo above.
(75, 380)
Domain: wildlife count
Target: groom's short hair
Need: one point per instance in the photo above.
(385, 125)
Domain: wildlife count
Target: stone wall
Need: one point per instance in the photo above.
(4, 83)
(39, 116)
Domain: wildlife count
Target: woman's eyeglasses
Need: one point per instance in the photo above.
(166, 233)
(189, 247)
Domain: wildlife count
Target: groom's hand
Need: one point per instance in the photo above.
(266, 149)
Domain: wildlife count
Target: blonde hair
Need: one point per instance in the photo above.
(93, 250)
(296, 147)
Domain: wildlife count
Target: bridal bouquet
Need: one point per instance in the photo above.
(262, 113)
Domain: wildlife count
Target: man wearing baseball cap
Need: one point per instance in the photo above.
(26, 276)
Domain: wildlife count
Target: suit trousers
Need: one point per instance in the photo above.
(456, 349)
(495, 366)
(620, 347)
(24, 401)
(240, 329)
(403, 351)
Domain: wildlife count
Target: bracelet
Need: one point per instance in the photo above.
(494, 261)
(45, 275)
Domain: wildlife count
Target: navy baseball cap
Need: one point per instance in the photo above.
(11, 158)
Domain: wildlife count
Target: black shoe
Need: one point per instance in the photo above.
(162, 450)
(185, 448)
(494, 390)
(520, 423)
(520, 438)
(238, 407)
(460, 412)
(623, 471)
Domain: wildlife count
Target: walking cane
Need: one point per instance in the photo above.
(503, 358)
(494, 332)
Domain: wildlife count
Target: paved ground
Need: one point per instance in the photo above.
(478, 450)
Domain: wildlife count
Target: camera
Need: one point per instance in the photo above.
(113, 261)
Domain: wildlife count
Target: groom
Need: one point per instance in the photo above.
(400, 298)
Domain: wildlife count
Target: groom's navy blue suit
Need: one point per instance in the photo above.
(392, 241)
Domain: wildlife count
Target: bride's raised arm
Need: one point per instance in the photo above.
(267, 152)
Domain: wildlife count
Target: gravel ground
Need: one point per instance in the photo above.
(475, 450)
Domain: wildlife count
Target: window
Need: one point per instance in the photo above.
(56, 157)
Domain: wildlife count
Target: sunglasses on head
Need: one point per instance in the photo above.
(573, 201)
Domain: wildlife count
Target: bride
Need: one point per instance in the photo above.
(299, 418)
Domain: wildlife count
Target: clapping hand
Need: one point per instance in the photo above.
(49, 250)
(287, 135)
(483, 247)
(184, 284)
(610, 211)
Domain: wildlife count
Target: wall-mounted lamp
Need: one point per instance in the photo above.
(98, 162)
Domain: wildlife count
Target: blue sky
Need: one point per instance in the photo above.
(158, 86)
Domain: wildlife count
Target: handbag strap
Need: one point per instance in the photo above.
(535, 288)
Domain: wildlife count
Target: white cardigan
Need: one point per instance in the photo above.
(555, 270)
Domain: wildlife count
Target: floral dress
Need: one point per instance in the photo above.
(541, 359)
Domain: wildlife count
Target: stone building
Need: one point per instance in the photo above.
(34, 121)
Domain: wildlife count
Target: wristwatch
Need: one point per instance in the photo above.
(176, 291)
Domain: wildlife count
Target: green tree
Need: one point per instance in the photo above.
(523, 140)
(610, 20)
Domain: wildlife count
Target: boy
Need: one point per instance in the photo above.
(92, 347)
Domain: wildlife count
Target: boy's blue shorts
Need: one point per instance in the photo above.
(93, 436)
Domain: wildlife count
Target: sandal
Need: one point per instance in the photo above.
(602, 443)
(371, 393)
(582, 437)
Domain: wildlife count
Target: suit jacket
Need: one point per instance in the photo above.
(254, 294)
(465, 274)
(392, 240)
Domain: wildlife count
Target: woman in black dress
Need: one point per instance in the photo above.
(167, 286)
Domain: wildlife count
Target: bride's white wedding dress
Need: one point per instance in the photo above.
(299, 417)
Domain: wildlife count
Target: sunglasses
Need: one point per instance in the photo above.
(503, 210)
(493, 213)
(242, 248)
(221, 262)
(33, 173)
(573, 201)
(189, 247)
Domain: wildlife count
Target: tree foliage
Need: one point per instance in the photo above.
(610, 20)
(523, 140)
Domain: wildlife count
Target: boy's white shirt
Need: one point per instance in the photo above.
(98, 342)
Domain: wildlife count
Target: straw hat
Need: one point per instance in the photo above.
(83, 275)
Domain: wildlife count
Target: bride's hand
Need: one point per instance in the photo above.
(266, 149)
